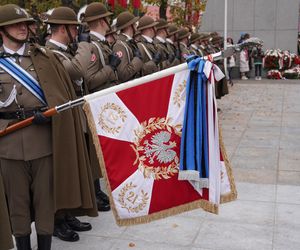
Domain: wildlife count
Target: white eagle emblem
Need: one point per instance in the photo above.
(159, 148)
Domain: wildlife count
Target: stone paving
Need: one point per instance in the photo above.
(261, 129)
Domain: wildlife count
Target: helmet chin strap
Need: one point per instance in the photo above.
(72, 45)
(10, 37)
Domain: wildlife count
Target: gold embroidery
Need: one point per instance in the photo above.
(130, 200)
(177, 99)
(160, 148)
(111, 118)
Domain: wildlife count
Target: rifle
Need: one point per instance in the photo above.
(77, 102)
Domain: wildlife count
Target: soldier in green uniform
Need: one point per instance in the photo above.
(126, 48)
(150, 54)
(5, 228)
(171, 44)
(195, 44)
(31, 80)
(63, 25)
(183, 39)
(161, 44)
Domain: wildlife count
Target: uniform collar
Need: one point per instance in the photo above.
(58, 44)
(169, 40)
(127, 36)
(148, 39)
(194, 46)
(98, 35)
(160, 39)
(19, 51)
(183, 44)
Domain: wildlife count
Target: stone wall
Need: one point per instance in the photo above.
(274, 21)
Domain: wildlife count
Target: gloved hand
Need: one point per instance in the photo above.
(171, 57)
(84, 37)
(178, 54)
(40, 118)
(114, 61)
(157, 58)
(137, 53)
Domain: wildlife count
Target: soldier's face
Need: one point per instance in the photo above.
(18, 30)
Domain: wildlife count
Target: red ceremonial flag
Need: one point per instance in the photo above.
(137, 132)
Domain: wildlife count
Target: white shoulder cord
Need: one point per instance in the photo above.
(100, 53)
(78, 82)
(147, 52)
(10, 99)
(128, 55)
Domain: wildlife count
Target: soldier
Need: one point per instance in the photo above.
(31, 80)
(126, 48)
(161, 45)
(6, 241)
(170, 41)
(203, 43)
(195, 45)
(101, 72)
(63, 25)
(183, 38)
(150, 54)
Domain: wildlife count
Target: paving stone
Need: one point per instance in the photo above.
(219, 235)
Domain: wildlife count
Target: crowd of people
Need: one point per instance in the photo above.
(49, 170)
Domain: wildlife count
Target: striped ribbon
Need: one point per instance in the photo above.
(23, 77)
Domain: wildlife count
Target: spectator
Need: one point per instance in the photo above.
(257, 55)
(230, 62)
(244, 64)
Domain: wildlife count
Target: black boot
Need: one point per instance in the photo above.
(23, 242)
(64, 232)
(76, 224)
(101, 198)
(44, 242)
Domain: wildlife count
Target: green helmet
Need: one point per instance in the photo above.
(62, 15)
(146, 22)
(125, 19)
(12, 14)
(95, 11)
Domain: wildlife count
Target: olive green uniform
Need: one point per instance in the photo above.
(130, 66)
(148, 50)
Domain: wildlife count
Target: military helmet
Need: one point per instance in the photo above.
(162, 24)
(95, 11)
(125, 19)
(183, 33)
(11, 14)
(62, 15)
(172, 29)
(146, 22)
(195, 37)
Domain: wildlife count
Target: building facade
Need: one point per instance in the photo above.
(274, 21)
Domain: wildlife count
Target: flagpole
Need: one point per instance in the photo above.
(225, 34)
(155, 76)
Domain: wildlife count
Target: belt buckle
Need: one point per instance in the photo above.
(20, 114)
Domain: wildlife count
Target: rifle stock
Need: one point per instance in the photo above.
(26, 122)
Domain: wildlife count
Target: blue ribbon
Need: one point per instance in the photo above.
(194, 140)
(26, 79)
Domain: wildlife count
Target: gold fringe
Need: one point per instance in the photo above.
(204, 204)
(232, 195)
